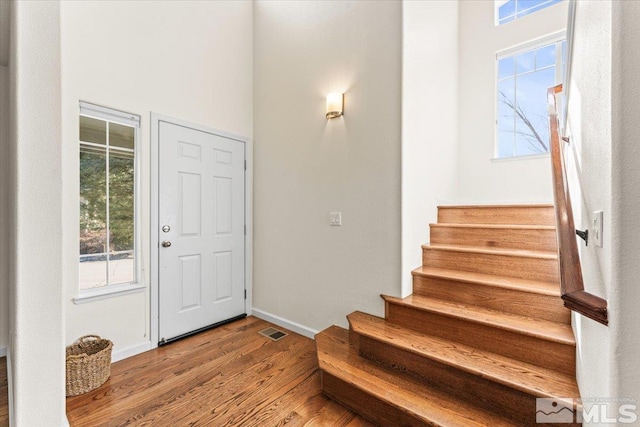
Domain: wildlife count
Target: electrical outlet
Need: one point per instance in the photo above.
(335, 218)
(597, 225)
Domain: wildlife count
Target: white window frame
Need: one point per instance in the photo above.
(557, 37)
(132, 120)
(498, 3)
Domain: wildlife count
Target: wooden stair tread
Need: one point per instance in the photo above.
(494, 226)
(511, 206)
(528, 378)
(514, 283)
(492, 251)
(543, 329)
(517, 236)
(400, 390)
(497, 214)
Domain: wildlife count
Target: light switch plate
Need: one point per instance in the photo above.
(596, 228)
(335, 218)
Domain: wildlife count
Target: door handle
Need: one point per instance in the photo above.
(166, 244)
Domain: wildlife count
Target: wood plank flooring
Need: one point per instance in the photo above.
(229, 376)
(4, 394)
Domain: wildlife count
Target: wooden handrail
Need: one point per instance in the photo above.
(571, 283)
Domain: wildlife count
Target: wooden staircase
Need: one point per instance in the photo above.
(484, 334)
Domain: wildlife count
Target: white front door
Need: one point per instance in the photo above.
(201, 236)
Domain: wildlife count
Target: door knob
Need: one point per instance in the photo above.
(166, 244)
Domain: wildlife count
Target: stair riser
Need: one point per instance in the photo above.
(547, 307)
(497, 215)
(531, 268)
(503, 238)
(534, 350)
(468, 387)
(364, 386)
(366, 405)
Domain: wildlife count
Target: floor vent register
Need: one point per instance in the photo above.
(273, 333)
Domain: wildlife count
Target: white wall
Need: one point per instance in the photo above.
(5, 13)
(625, 183)
(305, 166)
(429, 122)
(5, 174)
(603, 161)
(189, 60)
(589, 172)
(480, 179)
(35, 260)
(4, 208)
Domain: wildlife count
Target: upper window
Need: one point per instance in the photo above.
(108, 176)
(524, 75)
(509, 10)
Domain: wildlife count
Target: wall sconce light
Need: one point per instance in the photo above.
(334, 105)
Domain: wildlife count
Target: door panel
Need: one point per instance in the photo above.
(190, 189)
(190, 281)
(201, 186)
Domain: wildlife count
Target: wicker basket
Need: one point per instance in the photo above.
(88, 364)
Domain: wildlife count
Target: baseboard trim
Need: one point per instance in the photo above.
(292, 326)
(124, 353)
(3, 351)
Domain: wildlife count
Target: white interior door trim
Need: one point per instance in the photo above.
(154, 233)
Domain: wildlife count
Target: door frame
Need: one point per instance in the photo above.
(154, 235)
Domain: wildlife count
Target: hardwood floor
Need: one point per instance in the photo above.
(4, 394)
(229, 376)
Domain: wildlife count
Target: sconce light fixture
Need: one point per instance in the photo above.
(334, 105)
